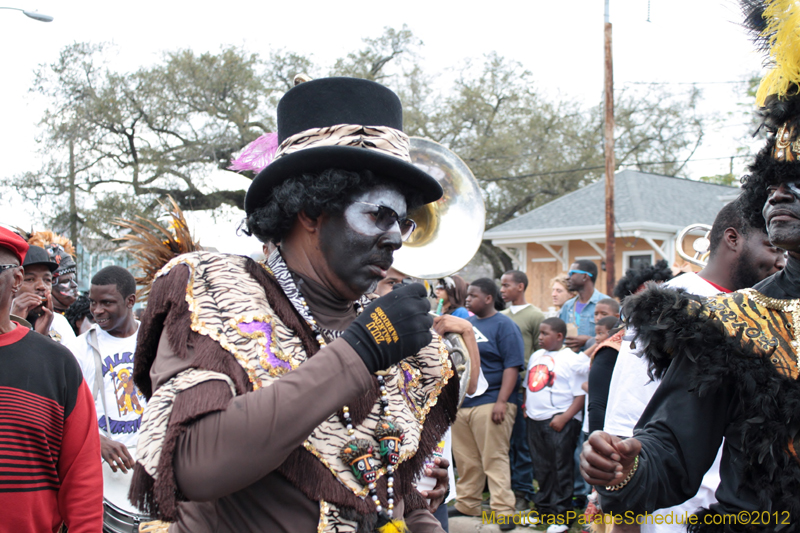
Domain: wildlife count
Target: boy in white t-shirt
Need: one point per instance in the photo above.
(553, 408)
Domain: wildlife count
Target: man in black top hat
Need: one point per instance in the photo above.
(33, 301)
(281, 394)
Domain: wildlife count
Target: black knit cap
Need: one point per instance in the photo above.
(330, 102)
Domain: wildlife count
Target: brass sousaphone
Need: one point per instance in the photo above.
(701, 245)
(449, 231)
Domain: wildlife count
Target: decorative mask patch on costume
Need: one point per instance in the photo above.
(362, 458)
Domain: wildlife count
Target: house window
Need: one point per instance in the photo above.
(638, 260)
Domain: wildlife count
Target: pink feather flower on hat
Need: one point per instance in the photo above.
(256, 155)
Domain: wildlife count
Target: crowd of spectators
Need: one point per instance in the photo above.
(546, 379)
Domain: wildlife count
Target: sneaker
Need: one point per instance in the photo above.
(557, 528)
(507, 527)
(528, 520)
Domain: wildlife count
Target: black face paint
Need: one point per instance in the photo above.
(65, 289)
(782, 214)
(357, 251)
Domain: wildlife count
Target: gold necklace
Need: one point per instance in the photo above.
(787, 306)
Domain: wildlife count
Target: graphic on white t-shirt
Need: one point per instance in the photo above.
(128, 403)
(541, 375)
(124, 402)
(118, 367)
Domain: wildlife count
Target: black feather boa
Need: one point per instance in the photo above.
(673, 324)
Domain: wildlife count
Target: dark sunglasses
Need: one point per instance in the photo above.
(386, 218)
(3, 268)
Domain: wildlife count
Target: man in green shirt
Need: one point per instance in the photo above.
(527, 317)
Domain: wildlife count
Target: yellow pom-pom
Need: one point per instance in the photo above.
(394, 526)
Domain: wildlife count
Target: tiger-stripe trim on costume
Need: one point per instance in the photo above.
(388, 141)
(749, 313)
(159, 408)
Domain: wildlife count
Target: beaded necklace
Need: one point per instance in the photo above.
(360, 454)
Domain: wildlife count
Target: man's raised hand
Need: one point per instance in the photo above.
(393, 327)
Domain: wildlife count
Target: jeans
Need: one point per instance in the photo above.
(520, 456)
(580, 488)
(553, 464)
(441, 516)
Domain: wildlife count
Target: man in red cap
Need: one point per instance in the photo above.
(50, 470)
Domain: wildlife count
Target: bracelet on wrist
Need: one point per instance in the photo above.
(627, 478)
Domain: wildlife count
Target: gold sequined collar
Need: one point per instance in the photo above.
(791, 306)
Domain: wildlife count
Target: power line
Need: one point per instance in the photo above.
(583, 169)
(681, 82)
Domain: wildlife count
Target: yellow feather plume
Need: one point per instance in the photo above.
(783, 26)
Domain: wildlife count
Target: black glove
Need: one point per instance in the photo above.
(393, 327)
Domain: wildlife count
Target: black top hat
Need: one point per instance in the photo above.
(307, 115)
(38, 256)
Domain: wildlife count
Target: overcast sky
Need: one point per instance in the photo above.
(561, 43)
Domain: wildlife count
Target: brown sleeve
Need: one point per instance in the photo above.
(422, 521)
(229, 450)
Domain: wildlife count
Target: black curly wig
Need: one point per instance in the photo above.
(78, 311)
(635, 277)
(329, 191)
(765, 170)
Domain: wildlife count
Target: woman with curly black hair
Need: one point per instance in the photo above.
(79, 316)
(635, 278)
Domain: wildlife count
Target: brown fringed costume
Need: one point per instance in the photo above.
(220, 343)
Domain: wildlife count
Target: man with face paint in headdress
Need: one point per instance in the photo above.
(280, 397)
(729, 363)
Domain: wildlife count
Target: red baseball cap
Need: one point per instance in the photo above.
(13, 242)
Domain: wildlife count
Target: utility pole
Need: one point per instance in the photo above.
(608, 145)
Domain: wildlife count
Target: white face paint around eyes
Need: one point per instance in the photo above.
(357, 215)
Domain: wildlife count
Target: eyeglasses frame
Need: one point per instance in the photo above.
(400, 221)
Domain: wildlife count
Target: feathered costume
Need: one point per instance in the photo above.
(729, 364)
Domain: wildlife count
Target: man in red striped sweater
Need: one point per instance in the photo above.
(50, 469)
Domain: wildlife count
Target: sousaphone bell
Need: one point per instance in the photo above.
(701, 245)
(449, 231)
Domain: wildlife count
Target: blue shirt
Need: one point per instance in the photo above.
(461, 312)
(501, 346)
(585, 319)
